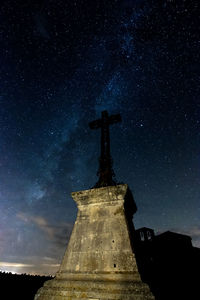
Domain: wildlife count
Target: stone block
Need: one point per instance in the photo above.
(99, 263)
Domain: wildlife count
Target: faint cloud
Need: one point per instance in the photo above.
(35, 192)
(48, 258)
(14, 264)
(51, 265)
(30, 265)
(194, 232)
(56, 233)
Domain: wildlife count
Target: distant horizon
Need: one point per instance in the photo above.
(26, 274)
(17, 264)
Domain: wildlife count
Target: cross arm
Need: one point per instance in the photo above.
(115, 119)
(95, 124)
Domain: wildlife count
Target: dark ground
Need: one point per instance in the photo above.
(22, 287)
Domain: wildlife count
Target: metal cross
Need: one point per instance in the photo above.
(105, 171)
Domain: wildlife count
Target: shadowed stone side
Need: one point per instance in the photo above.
(99, 262)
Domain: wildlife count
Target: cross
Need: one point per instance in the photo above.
(105, 171)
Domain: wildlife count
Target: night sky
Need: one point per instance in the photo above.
(62, 63)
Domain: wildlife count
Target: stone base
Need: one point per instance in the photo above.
(90, 287)
(99, 263)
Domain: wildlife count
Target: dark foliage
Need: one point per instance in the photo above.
(23, 286)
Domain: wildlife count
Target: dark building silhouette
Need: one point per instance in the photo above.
(168, 263)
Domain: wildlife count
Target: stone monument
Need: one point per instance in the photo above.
(99, 263)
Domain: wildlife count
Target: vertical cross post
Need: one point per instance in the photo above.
(105, 171)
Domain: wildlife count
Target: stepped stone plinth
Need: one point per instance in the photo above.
(99, 263)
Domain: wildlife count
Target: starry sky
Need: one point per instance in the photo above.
(61, 64)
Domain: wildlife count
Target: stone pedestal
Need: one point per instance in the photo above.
(99, 263)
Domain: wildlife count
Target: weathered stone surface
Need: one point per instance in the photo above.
(99, 262)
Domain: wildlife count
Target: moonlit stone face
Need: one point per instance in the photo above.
(100, 250)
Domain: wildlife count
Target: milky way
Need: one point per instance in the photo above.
(62, 63)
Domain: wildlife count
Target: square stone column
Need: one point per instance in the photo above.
(99, 263)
